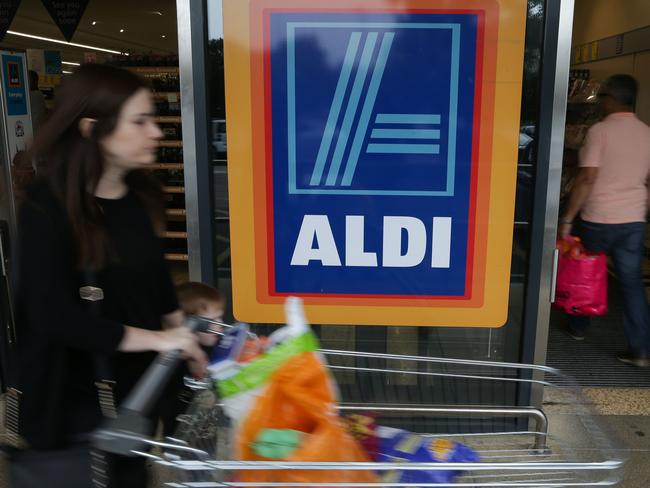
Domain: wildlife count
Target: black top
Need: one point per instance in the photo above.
(57, 335)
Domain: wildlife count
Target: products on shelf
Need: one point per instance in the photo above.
(175, 200)
(582, 113)
(168, 105)
(170, 177)
(170, 155)
(581, 88)
(165, 81)
(145, 60)
(574, 135)
(172, 132)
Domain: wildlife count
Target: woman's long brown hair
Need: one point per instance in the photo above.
(73, 164)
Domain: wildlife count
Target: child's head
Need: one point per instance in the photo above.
(196, 298)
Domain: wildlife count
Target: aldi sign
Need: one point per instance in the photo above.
(365, 171)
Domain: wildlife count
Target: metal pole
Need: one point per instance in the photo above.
(192, 38)
(555, 79)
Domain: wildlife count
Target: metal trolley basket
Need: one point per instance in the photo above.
(559, 446)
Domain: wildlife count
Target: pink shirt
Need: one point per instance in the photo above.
(619, 146)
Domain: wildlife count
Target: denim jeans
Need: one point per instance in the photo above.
(624, 244)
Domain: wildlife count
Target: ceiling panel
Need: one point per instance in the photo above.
(145, 22)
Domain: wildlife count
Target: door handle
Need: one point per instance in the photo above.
(556, 259)
(4, 256)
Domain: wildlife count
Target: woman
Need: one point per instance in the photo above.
(94, 209)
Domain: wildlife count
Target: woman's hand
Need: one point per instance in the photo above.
(176, 338)
(183, 339)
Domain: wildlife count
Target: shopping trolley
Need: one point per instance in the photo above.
(558, 445)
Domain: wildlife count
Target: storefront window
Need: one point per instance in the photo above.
(499, 344)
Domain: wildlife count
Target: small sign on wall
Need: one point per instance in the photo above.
(15, 91)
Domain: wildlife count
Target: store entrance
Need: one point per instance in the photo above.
(602, 47)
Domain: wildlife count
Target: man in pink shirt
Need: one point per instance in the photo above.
(611, 198)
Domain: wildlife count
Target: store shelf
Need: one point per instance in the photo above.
(170, 143)
(165, 166)
(153, 69)
(169, 168)
(175, 235)
(168, 119)
(173, 256)
(166, 94)
(176, 212)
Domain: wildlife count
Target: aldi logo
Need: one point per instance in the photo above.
(386, 111)
(372, 169)
(369, 129)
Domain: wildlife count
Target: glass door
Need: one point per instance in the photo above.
(522, 336)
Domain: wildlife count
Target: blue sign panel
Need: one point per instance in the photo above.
(372, 147)
(14, 85)
(52, 62)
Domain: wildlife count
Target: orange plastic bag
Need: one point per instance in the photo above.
(300, 396)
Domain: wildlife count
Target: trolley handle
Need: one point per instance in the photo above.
(126, 432)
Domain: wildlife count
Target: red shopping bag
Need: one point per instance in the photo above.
(581, 287)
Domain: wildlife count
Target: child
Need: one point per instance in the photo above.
(194, 298)
(198, 299)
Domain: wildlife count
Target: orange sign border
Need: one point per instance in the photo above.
(487, 302)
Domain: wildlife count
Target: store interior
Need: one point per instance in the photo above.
(145, 26)
(609, 37)
(140, 36)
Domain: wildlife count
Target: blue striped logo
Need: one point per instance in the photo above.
(357, 131)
